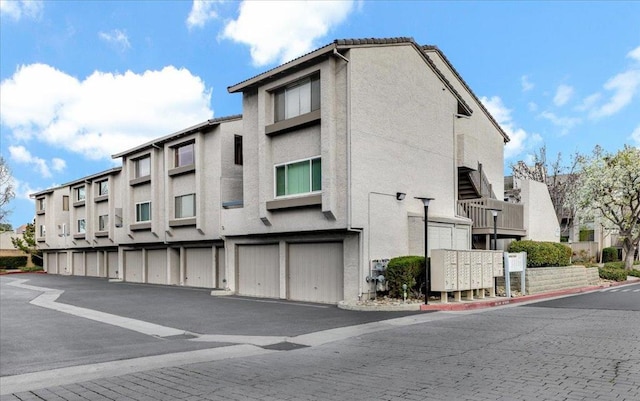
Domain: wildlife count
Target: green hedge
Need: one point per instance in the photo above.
(543, 254)
(407, 270)
(609, 254)
(13, 262)
(612, 273)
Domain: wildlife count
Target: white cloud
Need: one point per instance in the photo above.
(116, 38)
(23, 190)
(635, 136)
(17, 9)
(58, 164)
(563, 94)
(103, 114)
(533, 106)
(634, 54)
(283, 30)
(201, 12)
(565, 123)
(520, 139)
(624, 87)
(21, 155)
(526, 84)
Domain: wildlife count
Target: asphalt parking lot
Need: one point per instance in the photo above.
(34, 338)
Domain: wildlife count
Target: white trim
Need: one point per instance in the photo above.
(275, 178)
(136, 212)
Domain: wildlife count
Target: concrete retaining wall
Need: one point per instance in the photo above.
(543, 279)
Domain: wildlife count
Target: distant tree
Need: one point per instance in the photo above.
(27, 243)
(5, 227)
(560, 180)
(7, 192)
(609, 188)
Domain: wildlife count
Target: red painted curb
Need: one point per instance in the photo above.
(480, 304)
(21, 272)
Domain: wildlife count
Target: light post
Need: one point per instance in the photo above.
(425, 202)
(494, 212)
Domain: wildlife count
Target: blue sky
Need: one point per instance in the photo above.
(83, 80)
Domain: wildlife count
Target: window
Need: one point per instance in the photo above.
(103, 222)
(82, 226)
(185, 206)
(42, 230)
(80, 194)
(65, 203)
(237, 149)
(299, 177)
(143, 211)
(184, 155)
(143, 166)
(103, 188)
(298, 98)
(40, 204)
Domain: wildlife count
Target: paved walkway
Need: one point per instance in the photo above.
(502, 353)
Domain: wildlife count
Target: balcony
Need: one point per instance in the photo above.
(510, 222)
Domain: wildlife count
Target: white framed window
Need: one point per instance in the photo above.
(80, 194)
(143, 211)
(103, 188)
(82, 226)
(298, 177)
(142, 166)
(185, 206)
(184, 154)
(300, 97)
(103, 222)
(42, 231)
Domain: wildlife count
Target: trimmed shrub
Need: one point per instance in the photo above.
(614, 265)
(609, 254)
(13, 262)
(407, 270)
(543, 254)
(612, 273)
(32, 269)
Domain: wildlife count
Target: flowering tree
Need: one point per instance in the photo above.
(609, 187)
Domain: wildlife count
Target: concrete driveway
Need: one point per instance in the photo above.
(49, 322)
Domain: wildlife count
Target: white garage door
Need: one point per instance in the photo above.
(78, 264)
(440, 237)
(157, 266)
(316, 272)
(133, 266)
(92, 264)
(52, 262)
(63, 264)
(259, 270)
(198, 267)
(112, 264)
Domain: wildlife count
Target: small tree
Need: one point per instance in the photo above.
(7, 192)
(609, 188)
(27, 243)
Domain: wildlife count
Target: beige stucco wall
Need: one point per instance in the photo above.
(477, 138)
(539, 216)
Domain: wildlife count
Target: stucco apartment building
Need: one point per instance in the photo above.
(294, 198)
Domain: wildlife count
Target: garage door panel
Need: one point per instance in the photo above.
(133, 266)
(63, 263)
(112, 264)
(259, 270)
(91, 259)
(316, 272)
(221, 274)
(157, 266)
(199, 267)
(78, 264)
(52, 263)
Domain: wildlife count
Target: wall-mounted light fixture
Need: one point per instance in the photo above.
(400, 195)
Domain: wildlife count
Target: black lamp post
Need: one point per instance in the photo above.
(494, 212)
(425, 202)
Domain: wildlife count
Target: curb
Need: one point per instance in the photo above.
(21, 272)
(478, 304)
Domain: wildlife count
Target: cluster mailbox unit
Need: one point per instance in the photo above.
(465, 270)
